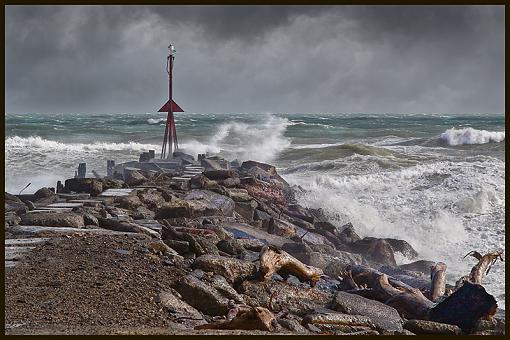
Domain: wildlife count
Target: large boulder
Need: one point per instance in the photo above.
(53, 219)
(277, 295)
(232, 269)
(44, 196)
(14, 204)
(403, 247)
(202, 296)
(207, 203)
(262, 171)
(172, 302)
(422, 266)
(134, 178)
(281, 228)
(383, 316)
(297, 211)
(91, 186)
(130, 202)
(220, 175)
(151, 198)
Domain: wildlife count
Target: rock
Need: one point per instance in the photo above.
(202, 296)
(422, 266)
(173, 209)
(220, 174)
(142, 213)
(262, 171)
(171, 300)
(402, 247)
(246, 209)
(282, 228)
(251, 244)
(90, 219)
(465, 307)
(134, 178)
(53, 219)
(430, 327)
(182, 247)
(111, 183)
(151, 198)
(348, 235)
(232, 269)
(160, 247)
(375, 250)
(92, 186)
(384, 317)
(121, 224)
(43, 193)
(328, 320)
(222, 286)
(130, 202)
(199, 182)
(11, 218)
(292, 324)
(259, 215)
(206, 203)
(285, 296)
(230, 182)
(256, 318)
(14, 204)
(239, 195)
(297, 211)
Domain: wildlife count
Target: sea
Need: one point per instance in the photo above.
(434, 180)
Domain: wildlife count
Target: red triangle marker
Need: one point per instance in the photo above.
(175, 107)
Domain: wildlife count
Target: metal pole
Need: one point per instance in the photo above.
(170, 109)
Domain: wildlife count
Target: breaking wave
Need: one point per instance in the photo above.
(469, 135)
(154, 121)
(41, 144)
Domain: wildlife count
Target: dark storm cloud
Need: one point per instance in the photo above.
(256, 58)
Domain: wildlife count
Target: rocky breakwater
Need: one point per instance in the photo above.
(230, 251)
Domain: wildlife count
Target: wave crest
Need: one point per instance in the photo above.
(469, 135)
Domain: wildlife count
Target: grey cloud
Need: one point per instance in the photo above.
(256, 58)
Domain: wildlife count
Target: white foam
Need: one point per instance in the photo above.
(469, 135)
(153, 121)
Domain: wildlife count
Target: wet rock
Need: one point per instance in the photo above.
(430, 327)
(384, 317)
(173, 209)
(171, 300)
(53, 219)
(91, 186)
(284, 296)
(134, 178)
(348, 234)
(246, 209)
(375, 250)
(281, 228)
(232, 269)
(202, 296)
(402, 247)
(206, 203)
(328, 320)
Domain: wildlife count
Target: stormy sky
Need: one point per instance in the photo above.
(281, 59)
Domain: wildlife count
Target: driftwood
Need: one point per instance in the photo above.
(274, 260)
(438, 278)
(258, 318)
(484, 265)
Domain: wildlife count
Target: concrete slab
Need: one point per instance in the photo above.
(46, 209)
(180, 179)
(116, 192)
(65, 205)
(25, 241)
(74, 196)
(29, 230)
(15, 253)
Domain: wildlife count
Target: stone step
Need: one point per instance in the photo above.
(74, 196)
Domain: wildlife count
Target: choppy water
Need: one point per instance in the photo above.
(437, 181)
